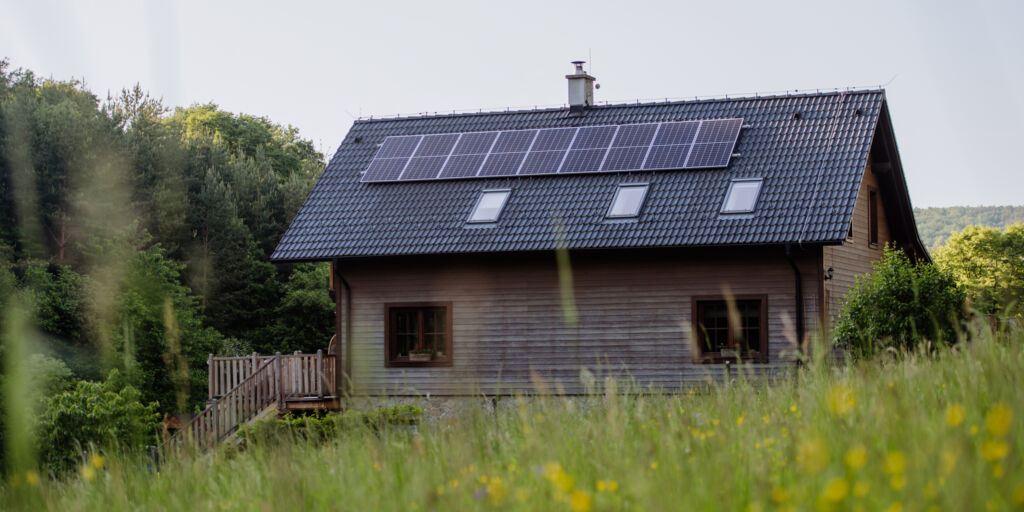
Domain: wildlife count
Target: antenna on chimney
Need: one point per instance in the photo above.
(581, 88)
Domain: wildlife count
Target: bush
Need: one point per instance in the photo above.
(100, 414)
(899, 305)
(320, 427)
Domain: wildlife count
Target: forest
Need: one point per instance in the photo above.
(936, 224)
(136, 238)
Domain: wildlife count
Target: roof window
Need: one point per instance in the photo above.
(489, 205)
(742, 196)
(628, 200)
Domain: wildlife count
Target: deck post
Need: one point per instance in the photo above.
(319, 373)
(280, 383)
(216, 424)
(209, 373)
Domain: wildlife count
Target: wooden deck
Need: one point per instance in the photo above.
(247, 387)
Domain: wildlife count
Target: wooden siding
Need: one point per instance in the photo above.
(634, 311)
(856, 255)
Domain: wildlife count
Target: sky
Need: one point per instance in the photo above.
(953, 71)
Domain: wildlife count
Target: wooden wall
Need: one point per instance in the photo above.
(633, 307)
(856, 255)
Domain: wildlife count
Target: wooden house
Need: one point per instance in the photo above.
(485, 253)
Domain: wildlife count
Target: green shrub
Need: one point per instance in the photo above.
(94, 414)
(324, 426)
(899, 305)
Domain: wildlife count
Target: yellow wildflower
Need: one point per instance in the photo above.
(792, 408)
(856, 457)
(994, 450)
(558, 477)
(898, 482)
(812, 455)
(998, 471)
(766, 419)
(895, 507)
(1018, 494)
(496, 490)
(601, 486)
(974, 429)
(581, 501)
(454, 483)
(841, 399)
(654, 465)
(613, 486)
(780, 494)
(861, 488)
(954, 415)
(836, 490)
(739, 420)
(96, 461)
(895, 463)
(999, 419)
(32, 478)
(88, 472)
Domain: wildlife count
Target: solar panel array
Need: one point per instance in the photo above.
(586, 149)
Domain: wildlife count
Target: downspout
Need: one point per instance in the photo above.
(799, 293)
(345, 333)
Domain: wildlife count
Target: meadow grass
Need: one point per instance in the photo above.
(913, 432)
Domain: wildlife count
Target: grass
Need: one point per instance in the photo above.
(917, 432)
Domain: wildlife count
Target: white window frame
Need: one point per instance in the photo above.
(640, 206)
(757, 195)
(480, 198)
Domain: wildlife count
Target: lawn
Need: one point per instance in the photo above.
(915, 432)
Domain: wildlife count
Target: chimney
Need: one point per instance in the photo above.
(581, 88)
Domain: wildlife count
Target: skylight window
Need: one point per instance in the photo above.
(742, 196)
(628, 200)
(489, 206)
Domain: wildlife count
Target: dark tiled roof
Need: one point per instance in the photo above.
(811, 164)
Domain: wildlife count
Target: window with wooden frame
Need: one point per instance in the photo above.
(873, 217)
(723, 333)
(418, 334)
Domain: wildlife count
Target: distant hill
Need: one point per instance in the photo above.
(935, 224)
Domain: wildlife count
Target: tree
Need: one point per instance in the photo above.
(899, 305)
(989, 263)
(106, 415)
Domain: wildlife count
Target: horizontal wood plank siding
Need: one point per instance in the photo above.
(633, 309)
(856, 255)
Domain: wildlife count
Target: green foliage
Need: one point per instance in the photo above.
(97, 414)
(899, 305)
(304, 317)
(989, 263)
(936, 224)
(324, 426)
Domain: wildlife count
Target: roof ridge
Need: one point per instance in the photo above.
(638, 103)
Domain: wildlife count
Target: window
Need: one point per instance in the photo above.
(628, 200)
(742, 196)
(873, 217)
(419, 334)
(489, 205)
(718, 339)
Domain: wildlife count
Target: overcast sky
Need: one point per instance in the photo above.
(953, 72)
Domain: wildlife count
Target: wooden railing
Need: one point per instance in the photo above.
(305, 375)
(257, 382)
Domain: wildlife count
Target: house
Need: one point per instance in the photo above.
(477, 253)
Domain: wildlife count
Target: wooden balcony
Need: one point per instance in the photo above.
(248, 387)
(307, 381)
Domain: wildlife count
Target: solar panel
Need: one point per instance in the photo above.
(601, 148)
